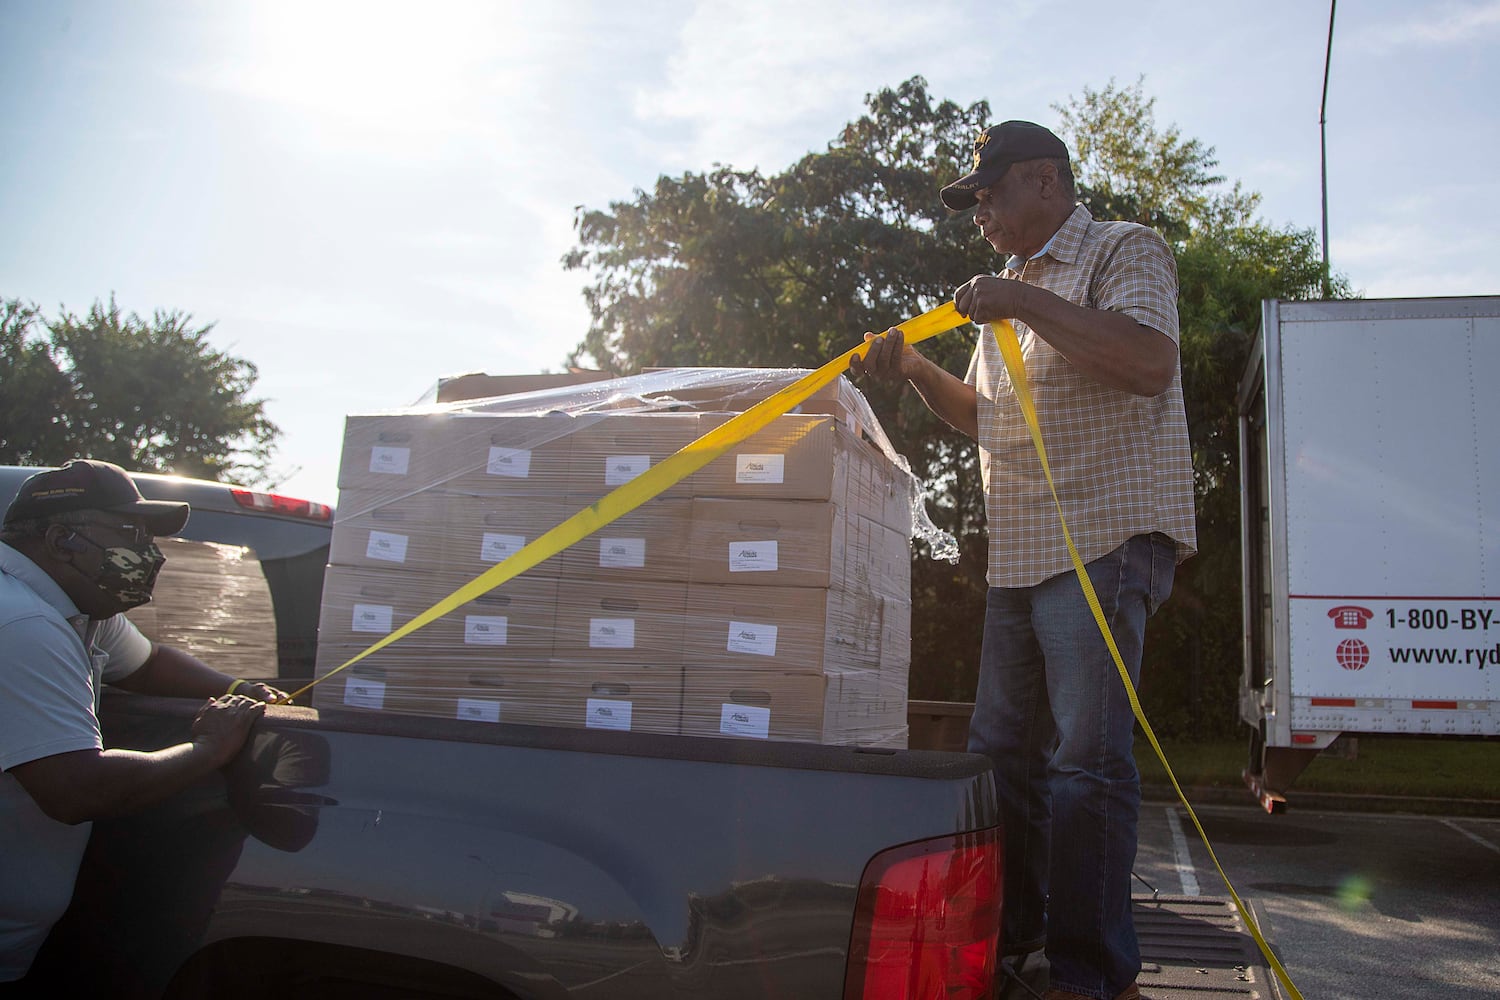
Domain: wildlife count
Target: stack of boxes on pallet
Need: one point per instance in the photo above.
(766, 595)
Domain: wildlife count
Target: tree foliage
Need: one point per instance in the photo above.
(34, 392)
(149, 395)
(1127, 169)
(736, 268)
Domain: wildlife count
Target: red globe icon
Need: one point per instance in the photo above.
(1352, 654)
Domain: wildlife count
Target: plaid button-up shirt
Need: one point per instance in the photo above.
(1122, 463)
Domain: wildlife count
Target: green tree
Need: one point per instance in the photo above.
(34, 393)
(150, 395)
(735, 268)
(1129, 170)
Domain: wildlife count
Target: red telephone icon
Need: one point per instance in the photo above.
(1350, 616)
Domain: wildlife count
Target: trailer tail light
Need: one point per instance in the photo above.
(928, 921)
(275, 503)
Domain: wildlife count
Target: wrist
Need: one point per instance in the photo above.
(235, 685)
(921, 376)
(210, 750)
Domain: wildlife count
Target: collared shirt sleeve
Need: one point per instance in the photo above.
(128, 649)
(46, 693)
(1140, 281)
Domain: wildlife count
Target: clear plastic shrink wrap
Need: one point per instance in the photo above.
(767, 595)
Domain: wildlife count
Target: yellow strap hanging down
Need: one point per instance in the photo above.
(655, 480)
(1010, 350)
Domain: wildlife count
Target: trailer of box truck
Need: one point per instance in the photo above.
(1370, 519)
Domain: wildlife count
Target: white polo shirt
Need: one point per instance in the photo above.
(52, 661)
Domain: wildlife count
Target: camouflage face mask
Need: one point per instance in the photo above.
(128, 572)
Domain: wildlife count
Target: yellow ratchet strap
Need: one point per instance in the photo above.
(1010, 350)
(660, 477)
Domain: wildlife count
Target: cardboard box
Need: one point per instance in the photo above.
(379, 530)
(651, 543)
(771, 543)
(559, 693)
(810, 457)
(483, 531)
(477, 385)
(876, 559)
(389, 453)
(796, 543)
(843, 709)
(360, 606)
(625, 699)
(787, 629)
(606, 623)
(363, 688)
(735, 390)
(490, 454)
(611, 449)
(895, 637)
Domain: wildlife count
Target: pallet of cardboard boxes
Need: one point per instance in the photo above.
(765, 596)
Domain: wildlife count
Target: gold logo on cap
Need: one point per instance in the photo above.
(984, 137)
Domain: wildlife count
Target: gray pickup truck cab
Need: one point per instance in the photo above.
(386, 856)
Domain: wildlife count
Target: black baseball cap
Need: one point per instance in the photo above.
(84, 484)
(996, 149)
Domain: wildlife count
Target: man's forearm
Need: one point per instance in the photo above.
(94, 784)
(951, 398)
(172, 672)
(1109, 347)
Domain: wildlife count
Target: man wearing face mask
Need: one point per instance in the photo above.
(76, 551)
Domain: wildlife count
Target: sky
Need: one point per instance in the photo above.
(363, 197)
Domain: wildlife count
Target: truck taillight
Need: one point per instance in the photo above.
(928, 921)
(275, 503)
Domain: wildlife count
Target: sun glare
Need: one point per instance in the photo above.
(379, 64)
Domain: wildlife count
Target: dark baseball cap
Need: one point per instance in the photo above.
(84, 484)
(996, 149)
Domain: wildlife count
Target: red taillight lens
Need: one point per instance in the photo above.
(928, 921)
(275, 503)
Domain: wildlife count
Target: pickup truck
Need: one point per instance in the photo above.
(363, 855)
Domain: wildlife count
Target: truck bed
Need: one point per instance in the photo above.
(499, 860)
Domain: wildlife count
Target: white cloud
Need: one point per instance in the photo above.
(1430, 26)
(1415, 246)
(757, 85)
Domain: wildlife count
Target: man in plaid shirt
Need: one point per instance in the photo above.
(1095, 307)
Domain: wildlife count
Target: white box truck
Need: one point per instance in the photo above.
(1370, 513)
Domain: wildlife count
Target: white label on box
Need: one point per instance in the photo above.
(611, 633)
(621, 469)
(745, 720)
(622, 553)
(361, 692)
(373, 618)
(748, 637)
(478, 710)
(752, 557)
(513, 463)
(485, 630)
(390, 461)
(760, 468)
(606, 714)
(497, 547)
(387, 546)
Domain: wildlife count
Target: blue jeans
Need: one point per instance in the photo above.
(1053, 715)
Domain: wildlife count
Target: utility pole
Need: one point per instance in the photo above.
(1323, 143)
